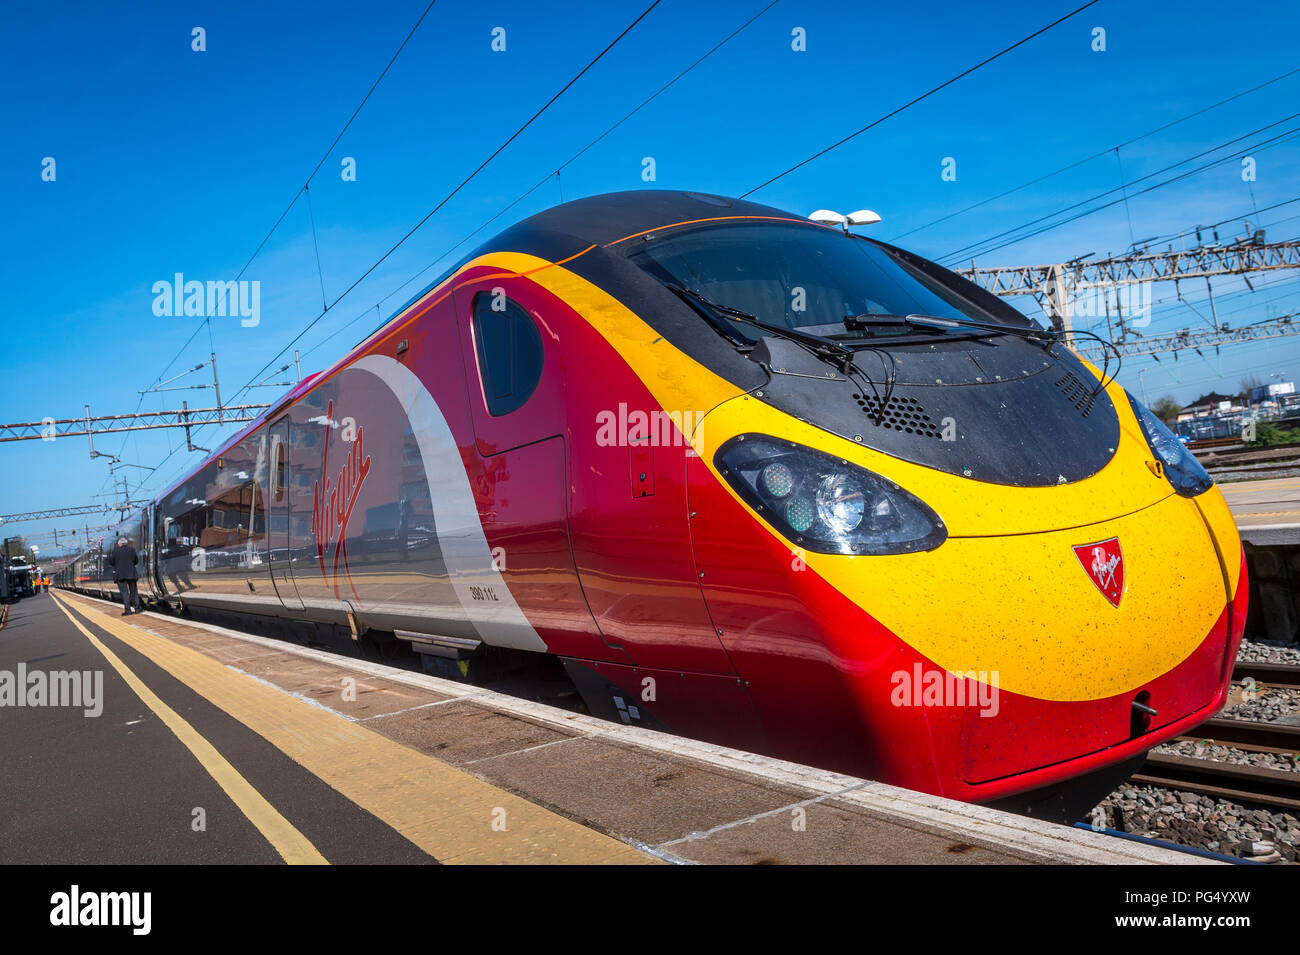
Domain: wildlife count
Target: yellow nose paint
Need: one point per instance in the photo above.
(1025, 608)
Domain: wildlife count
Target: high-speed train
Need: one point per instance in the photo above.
(752, 479)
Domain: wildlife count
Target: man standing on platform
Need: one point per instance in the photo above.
(124, 561)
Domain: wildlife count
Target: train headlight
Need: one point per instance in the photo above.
(1181, 468)
(825, 504)
(840, 503)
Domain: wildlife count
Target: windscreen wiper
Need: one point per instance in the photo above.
(826, 348)
(841, 357)
(895, 328)
(918, 320)
(1029, 333)
(1047, 337)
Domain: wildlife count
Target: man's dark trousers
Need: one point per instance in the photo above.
(130, 596)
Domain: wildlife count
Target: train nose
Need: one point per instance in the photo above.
(1064, 605)
(1083, 613)
(1080, 645)
(1116, 633)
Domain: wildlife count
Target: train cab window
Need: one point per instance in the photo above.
(509, 352)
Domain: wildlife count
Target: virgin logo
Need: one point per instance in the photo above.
(1104, 563)
(332, 505)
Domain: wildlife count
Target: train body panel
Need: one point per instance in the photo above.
(362, 506)
(626, 498)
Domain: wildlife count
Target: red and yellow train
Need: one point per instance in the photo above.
(754, 480)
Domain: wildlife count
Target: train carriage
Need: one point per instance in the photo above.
(752, 479)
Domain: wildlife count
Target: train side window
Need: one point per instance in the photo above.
(278, 474)
(509, 352)
(257, 512)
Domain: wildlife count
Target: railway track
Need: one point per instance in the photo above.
(1282, 675)
(1251, 785)
(1255, 472)
(1218, 445)
(1229, 448)
(1234, 461)
(1250, 735)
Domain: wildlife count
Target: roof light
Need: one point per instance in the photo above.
(827, 217)
(830, 217)
(863, 217)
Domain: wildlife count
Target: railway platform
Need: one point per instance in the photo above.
(1267, 511)
(201, 744)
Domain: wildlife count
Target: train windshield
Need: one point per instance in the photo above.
(806, 278)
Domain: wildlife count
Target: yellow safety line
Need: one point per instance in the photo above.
(1242, 487)
(291, 844)
(453, 816)
(1242, 517)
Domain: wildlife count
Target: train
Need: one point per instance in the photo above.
(18, 579)
(746, 477)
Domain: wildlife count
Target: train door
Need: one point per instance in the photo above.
(279, 500)
(157, 545)
(516, 388)
(143, 535)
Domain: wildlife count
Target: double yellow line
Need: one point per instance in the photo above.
(291, 844)
(446, 812)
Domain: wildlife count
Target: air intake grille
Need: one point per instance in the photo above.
(901, 414)
(1078, 394)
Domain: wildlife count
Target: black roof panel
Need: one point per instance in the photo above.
(613, 215)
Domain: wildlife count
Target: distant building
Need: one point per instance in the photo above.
(1223, 416)
(1271, 393)
(1211, 405)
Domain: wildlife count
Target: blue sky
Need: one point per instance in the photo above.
(170, 160)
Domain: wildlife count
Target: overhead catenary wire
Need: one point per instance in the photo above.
(1128, 213)
(1244, 370)
(976, 248)
(301, 190)
(926, 95)
(545, 179)
(515, 135)
(1290, 135)
(356, 112)
(1097, 155)
(455, 191)
(315, 245)
(329, 306)
(206, 323)
(980, 248)
(1169, 237)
